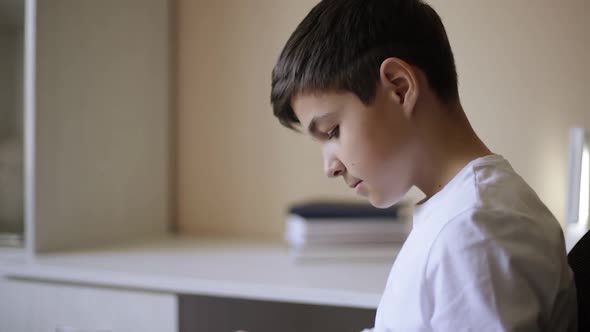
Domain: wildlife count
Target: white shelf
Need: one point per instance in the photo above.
(226, 268)
(11, 256)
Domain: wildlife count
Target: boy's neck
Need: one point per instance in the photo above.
(447, 144)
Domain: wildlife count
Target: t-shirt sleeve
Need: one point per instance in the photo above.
(486, 272)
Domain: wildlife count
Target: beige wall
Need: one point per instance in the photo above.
(524, 76)
(523, 68)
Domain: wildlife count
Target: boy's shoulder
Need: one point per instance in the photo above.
(485, 184)
(501, 216)
(489, 187)
(499, 187)
(491, 208)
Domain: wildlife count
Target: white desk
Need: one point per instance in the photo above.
(239, 269)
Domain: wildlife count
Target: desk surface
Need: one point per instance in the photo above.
(228, 268)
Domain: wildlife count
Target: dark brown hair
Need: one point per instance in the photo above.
(340, 45)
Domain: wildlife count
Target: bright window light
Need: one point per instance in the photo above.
(584, 188)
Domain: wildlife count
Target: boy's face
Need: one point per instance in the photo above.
(369, 146)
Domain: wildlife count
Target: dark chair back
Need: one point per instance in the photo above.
(579, 260)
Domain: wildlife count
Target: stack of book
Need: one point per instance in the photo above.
(345, 230)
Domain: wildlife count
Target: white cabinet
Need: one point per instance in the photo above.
(97, 156)
(97, 122)
(27, 306)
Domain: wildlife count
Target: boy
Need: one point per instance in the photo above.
(374, 83)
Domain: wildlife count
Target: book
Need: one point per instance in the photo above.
(339, 210)
(300, 231)
(336, 230)
(298, 224)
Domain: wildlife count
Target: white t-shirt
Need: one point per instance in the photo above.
(484, 254)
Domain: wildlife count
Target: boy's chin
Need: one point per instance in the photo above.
(383, 202)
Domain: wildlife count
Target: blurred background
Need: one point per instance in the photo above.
(11, 121)
(186, 84)
(523, 75)
(131, 119)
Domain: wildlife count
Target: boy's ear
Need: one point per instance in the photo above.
(400, 81)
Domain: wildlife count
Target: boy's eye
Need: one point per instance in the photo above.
(334, 132)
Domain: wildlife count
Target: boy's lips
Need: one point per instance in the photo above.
(355, 184)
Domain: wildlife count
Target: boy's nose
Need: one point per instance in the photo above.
(333, 168)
